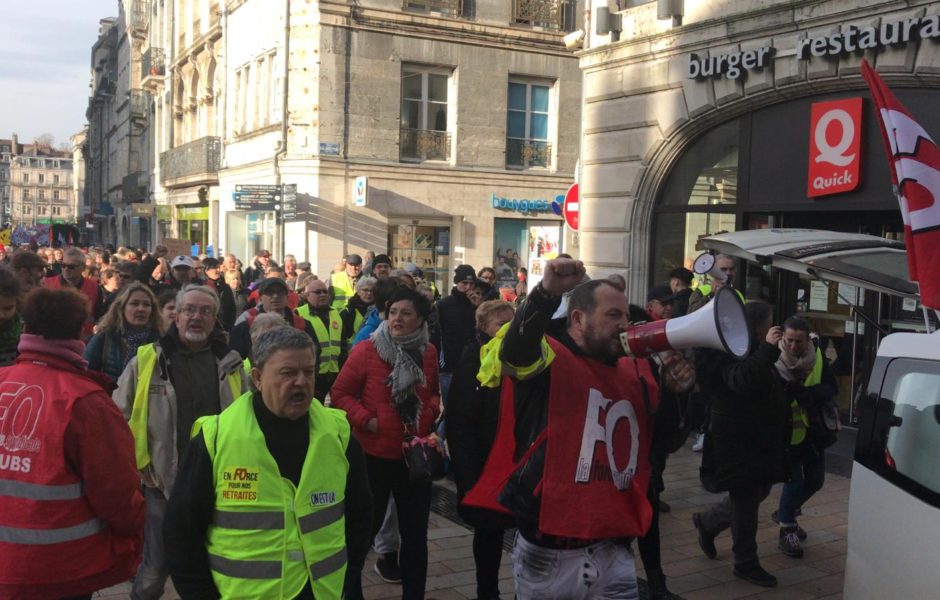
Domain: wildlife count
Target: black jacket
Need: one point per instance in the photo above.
(227, 311)
(472, 416)
(458, 326)
(749, 426)
(240, 336)
(192, 504)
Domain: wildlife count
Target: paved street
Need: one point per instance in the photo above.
(818, 575)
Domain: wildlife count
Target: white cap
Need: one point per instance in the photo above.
(183, 261)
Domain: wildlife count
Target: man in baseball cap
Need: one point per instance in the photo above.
(343, 283)
(659, 302)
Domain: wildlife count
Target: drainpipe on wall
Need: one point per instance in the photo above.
(221, 127)
(282, 149)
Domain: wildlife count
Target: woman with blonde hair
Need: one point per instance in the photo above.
(133, 320)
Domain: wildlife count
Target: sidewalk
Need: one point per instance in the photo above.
(689, 574)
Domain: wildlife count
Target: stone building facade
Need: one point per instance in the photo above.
(117, 149)
(41, 188)
(437, 131)
(739, 115)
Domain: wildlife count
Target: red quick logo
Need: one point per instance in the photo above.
(834, 147)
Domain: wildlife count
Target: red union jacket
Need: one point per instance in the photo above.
(596, 449)
(361, 390)
(71, 513)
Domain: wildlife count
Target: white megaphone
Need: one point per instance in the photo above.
(721, 324)
(705, 264)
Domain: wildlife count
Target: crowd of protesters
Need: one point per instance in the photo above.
(235, 379)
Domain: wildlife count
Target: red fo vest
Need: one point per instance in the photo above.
(53, 536)
(597, 454)
(298, 321)
(90, 290)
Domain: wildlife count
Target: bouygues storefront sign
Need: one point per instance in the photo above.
(734, 65)
(834, 147)
(521, 205)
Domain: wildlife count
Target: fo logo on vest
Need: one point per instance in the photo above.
(20, 408)
(240, 484)
(601, 424)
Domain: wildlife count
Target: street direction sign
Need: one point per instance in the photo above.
(289, 202)
(256, 197)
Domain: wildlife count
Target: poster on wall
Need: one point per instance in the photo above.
(543, 247)
(511, 242)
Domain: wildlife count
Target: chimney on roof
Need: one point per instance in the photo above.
(15, 146)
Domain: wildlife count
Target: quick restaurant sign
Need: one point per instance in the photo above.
(734, 65)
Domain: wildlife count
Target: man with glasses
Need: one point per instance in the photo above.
(188, 373)
(328, 328)
(272, 298)
(73, 264)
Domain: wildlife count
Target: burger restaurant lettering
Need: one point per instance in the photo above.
(734, 65)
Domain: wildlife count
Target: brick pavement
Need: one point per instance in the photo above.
(818, 575)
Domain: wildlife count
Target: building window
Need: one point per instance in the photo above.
(55, 179)
(25, 195)
(699, 198)
(424, 114)
(42, 195)
(55, 194)
(55, 164)
(42, 178)
(3, 175)
(527, 125)
(57, 210)
(25, 177)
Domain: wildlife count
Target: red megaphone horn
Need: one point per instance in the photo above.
(721, 324)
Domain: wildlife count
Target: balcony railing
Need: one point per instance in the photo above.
(522, 154)
(139, 13)
(424, 144)
(447, 7)
(196, 161)
(134, 187)
(153, 63)
(555, 15)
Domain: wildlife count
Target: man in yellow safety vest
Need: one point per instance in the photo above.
(272, 499)
(188, 373)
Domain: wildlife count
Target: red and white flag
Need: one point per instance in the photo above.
(915, 173)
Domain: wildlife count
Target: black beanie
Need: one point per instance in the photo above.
(464, 273)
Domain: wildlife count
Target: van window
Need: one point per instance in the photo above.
(913, 443)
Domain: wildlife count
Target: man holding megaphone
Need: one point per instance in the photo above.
(570, 460)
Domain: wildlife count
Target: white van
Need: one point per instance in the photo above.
(894, 498)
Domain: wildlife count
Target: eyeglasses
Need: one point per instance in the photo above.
(190, 311)
(72, 266)
(317, 292)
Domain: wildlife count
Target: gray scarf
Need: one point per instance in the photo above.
(796, 368)
(406, 356)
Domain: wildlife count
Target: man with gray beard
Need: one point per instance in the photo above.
(188, 373)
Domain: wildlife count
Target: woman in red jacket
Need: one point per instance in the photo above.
(389, 389)
(71, 511)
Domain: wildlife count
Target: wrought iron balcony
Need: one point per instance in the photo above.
(424, 144)
(555, 15)
(139, 16)
(153, 63)
(195, 162)
(134, 186)
(447, 7)
(522, 154)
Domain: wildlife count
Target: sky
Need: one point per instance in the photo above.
(45, 65)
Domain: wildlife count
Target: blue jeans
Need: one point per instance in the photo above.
(807, 473)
